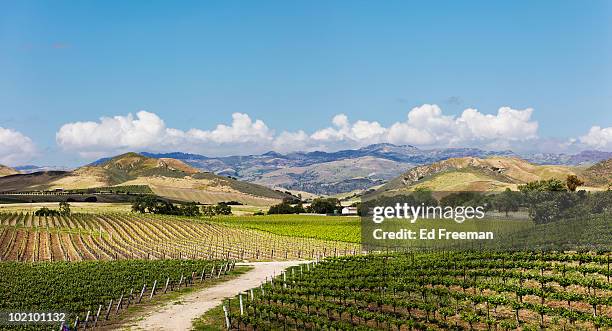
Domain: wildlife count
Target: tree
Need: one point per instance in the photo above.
(282, 208)
(299, 208)
(572, 182)
(208, 211)
(549, 185)
(462, 199)
(223, 209)
(153, 205)
(507, 201)
(324, 206)
(423, 195)
(44, 211)
(64, 208)
(189, 209)
(548, 200)
(144, 204)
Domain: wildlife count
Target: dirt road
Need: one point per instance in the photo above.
(193, 305)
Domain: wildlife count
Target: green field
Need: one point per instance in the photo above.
(336, 228)
(475, 290)
(77, 287)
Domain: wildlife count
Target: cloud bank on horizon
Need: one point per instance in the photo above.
(425, 126)
(15, 147)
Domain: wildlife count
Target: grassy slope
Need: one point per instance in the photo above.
(5, 171)
(25, 182)
(599, 173)
(166, 177)
(474, 174)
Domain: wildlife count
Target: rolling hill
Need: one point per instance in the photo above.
(324, 173)
(330, 173)
(166, 177)
(6, 171)
(490, 174)
(599, 174)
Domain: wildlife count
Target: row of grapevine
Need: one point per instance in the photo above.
(92, 293)
(24, 237)
(443, 290)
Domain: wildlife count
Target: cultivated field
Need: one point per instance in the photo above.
(336, 228)
(436, 291)
(24, 237)
(75, 207)
(93, 293)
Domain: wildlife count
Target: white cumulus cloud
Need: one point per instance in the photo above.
(598, 137)
(147, 131)
(15, 147)
(118, 132)
(424, 126)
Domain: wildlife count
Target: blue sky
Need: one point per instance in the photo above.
(295, 65)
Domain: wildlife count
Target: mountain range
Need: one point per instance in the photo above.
(319, 173)
(330, 173)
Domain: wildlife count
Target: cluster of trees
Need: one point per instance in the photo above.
(154, 205)
(545, 200)
(318, 206)
(324, 206)
(44, 211)
(231, 203)
(64, 210)
(219, 209)
(286, 207)
(551, 200)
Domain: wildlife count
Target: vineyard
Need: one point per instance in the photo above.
(335, 228)
(435, 291)
(114, 236)
(91, 292)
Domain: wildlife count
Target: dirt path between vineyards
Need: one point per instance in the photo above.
(194, 305)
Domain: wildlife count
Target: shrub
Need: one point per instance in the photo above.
(44, 211)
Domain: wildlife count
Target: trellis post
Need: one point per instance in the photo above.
(119, 304)
(86, 319)
(227, 321)
(97, 316)
(153, 289)
(110, 304)
(144, 287)
(166, 287)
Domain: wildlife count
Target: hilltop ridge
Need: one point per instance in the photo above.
(330, 173)
(489, 174)
(166, 177)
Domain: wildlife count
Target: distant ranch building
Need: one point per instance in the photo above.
(349, 211)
